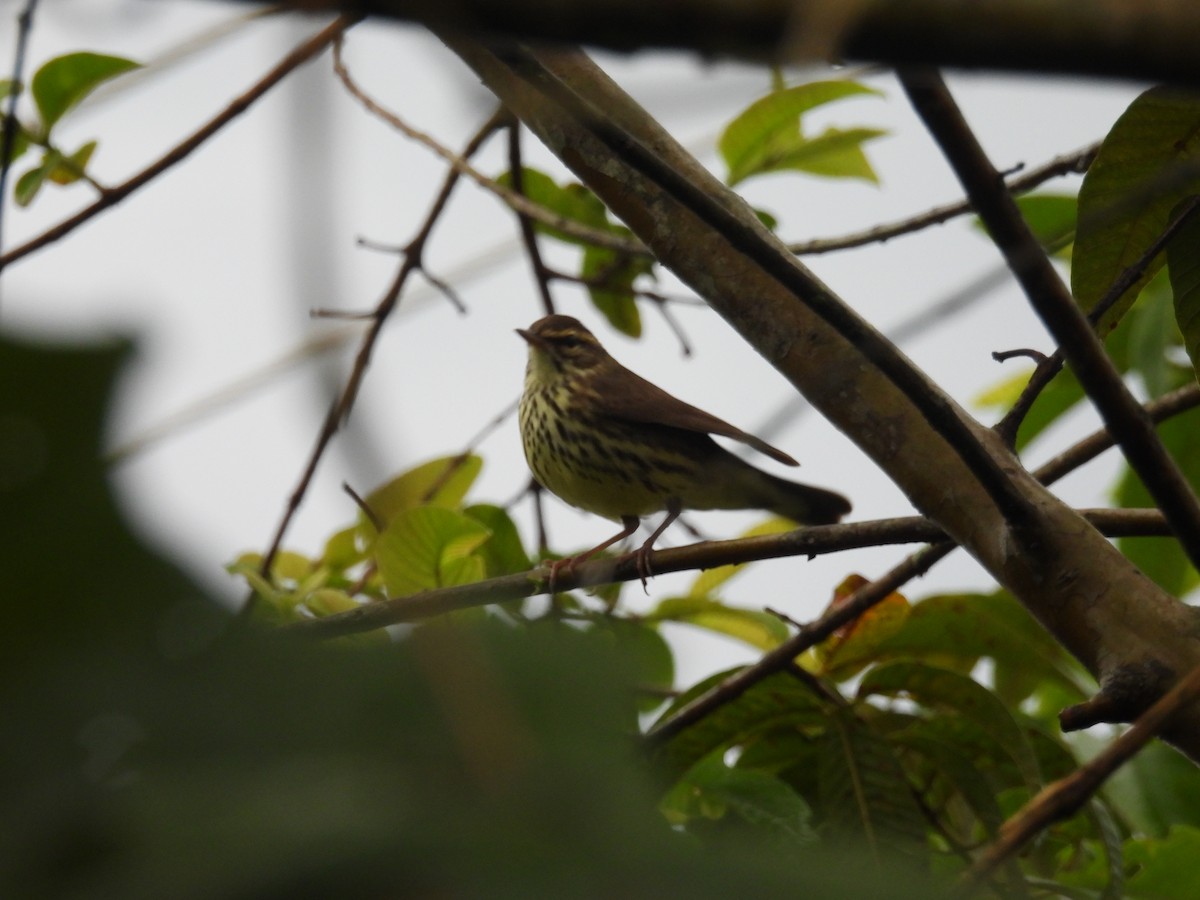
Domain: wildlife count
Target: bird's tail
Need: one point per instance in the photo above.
(804, 504)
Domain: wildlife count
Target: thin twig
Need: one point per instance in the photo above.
(8, 137)
(1065, 797)
(1070, 163)
(341, 407)
(515, 201)
(181, 151)
(541, 274)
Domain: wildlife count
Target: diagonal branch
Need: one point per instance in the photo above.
(1052, 301)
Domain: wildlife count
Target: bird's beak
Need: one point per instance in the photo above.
(530, 338)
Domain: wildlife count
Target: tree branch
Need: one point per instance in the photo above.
(812, 541)
(1123, 415)
(114, 195)
(1107, 38)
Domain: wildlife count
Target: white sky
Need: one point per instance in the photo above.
(214, 267)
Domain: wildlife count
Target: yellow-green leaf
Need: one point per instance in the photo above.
(429, 547)
(439, 482)
(759, 629)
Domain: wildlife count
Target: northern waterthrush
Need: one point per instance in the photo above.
(607, 441)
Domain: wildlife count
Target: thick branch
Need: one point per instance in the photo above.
(1151, 40)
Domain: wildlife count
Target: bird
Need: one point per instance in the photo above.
(609, 442)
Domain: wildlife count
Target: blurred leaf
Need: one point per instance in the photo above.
(767, 136)
(71, 168)
(845, 652)
(1162, 559)
(429, 547)
(1125, 201)
(865, 794)
(956, 768)
(28, 185)
(758, 629)
(503, 551)
(1183, 264)
(439, 482)
(64, 81)
(1165, 868)
(936, 688)
(342, 550)
(649, 656)
(6, 87)
(1156, 790)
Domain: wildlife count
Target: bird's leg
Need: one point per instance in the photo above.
(570, 562)
(641, 556)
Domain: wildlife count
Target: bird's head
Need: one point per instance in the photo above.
(561, 345)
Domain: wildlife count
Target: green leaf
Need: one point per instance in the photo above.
(71, 168)
(758, 629)
(844, 653)
(64, 81)
(1125, 201)
(767, 136)
(1165, 869)
(614, 297)
(956, 768)
(430, 547)
(1162, 559)
(865, 795)
(711, 788)
(342, 550)
(649, 655)
(957, 630)
(503, 552)
(943, 689)
(1183, 264)
(776, 702)
(571, 201)
(439, 482)
(1152, 335)
(28, 185)
(1051, 217)
(6, 87)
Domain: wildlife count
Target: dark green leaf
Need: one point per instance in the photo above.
(945, 690)
(711, 788)
(1145, 166)
(779, 701)
(64, 81)
(1183, 263)
(650, 656)
(865, 795)
(1162, 558)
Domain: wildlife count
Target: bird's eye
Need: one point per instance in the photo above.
(569, 341)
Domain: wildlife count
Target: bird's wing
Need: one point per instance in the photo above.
(634, 399)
